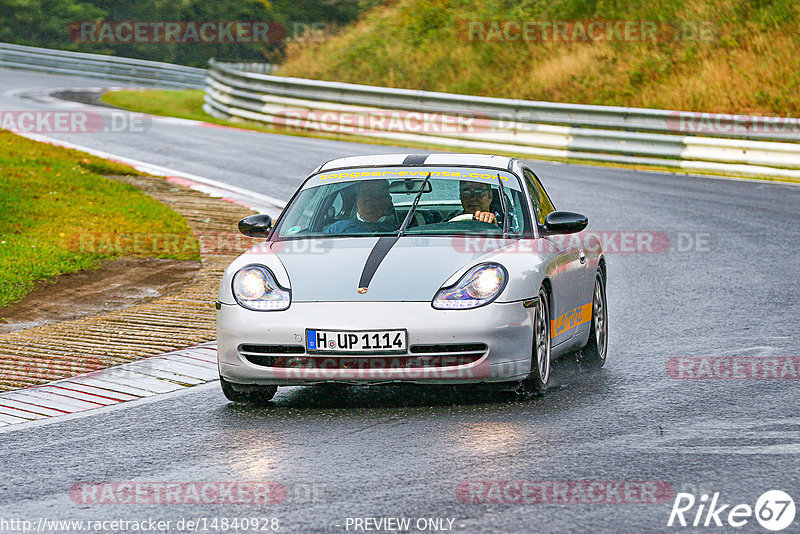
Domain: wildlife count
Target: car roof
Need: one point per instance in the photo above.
(453, 159)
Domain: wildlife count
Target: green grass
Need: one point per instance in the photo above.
(59, 214)
(185, 104)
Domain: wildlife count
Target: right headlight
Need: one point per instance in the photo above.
(479, 286)
(255, 288)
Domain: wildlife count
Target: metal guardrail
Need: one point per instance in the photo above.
(262, 68)
(723, 143)
(100, 66)
(247, 91)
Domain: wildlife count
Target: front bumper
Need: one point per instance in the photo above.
(505, 329)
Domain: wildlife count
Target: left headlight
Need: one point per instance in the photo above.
(255, 288)
(479, 286)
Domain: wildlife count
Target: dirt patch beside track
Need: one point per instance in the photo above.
(173, 302)
(116, 285)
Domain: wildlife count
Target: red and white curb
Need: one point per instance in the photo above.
(164, 373)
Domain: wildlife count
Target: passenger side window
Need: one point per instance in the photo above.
(530, 183)
(546, 207)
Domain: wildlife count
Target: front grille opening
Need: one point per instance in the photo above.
(448, 348)
(363, 363)
(272, 349)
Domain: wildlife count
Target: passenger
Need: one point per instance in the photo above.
(375, 211)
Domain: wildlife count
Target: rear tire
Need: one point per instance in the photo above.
(250, 394)
(593, 355)
(539, 377)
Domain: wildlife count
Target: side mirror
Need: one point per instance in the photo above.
(565, 222)
(256, 225)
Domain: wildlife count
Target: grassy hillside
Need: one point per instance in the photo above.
(733, 55)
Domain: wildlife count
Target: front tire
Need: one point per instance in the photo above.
(539, 377)
(250, 394)
(593, 355)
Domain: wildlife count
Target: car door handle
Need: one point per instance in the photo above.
(583, 257)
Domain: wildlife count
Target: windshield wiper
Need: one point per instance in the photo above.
(504, 206)
(413, 207)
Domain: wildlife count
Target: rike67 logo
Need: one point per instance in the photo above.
(774, 511)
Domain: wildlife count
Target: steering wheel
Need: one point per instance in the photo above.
(463, 217)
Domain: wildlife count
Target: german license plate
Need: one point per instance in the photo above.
(356, 341)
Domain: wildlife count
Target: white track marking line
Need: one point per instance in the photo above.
(238, 195)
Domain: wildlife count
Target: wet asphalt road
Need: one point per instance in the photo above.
(729, 286)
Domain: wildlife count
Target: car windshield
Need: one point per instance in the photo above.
(376, 201)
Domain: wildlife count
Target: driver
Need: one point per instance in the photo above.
(375, 210)
(476, 199)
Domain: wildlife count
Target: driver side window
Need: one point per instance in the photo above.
(334, 207)
(337, 206)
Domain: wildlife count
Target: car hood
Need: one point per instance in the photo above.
(329, 269)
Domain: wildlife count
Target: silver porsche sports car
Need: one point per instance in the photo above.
(434, 269)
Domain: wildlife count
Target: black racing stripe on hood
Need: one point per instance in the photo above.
(415, 159)
(375, 258)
